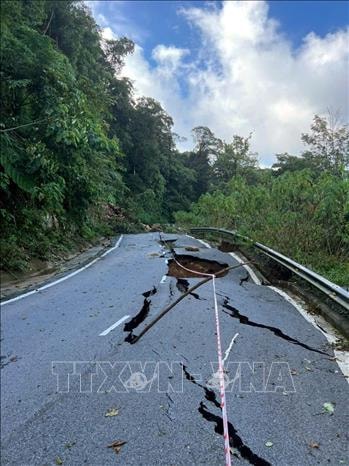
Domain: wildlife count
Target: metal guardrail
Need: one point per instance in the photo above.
(333, 291)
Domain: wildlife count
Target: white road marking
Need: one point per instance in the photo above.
(200, 241)
(163, 279)
(117, 244)
(342, 357)
(204, 243)
(246, 267)
(42, 288)
(226, 354)
(109, 329)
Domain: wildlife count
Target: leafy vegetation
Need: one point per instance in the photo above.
(81, 157)
(301, 207)
(75, 143)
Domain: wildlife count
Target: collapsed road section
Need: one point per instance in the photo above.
(300, 419)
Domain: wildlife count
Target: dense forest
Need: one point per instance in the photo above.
(82, 157)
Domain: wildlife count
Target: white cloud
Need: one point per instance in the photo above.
(108, 34)
(247, 77)
(110, 14)
(161, 82)
(172, 55)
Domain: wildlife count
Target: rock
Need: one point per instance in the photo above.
(156, 227)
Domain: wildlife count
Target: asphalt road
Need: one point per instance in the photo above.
(64, 367)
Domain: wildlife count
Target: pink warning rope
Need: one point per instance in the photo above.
(221, 380)
(220, 365)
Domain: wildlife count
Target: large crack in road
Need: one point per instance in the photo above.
(235, 440)
(140, 317)
(244, 320)
(33, 405)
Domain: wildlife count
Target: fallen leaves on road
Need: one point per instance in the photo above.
(269, 444)
(112, 412)
(70, 445)
(314, 445)
(116, 446)
(58, 460)
(11, 359)
(192, 249)
(328, 408)
(307, 363)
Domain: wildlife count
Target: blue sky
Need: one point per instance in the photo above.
(159, 21)
(237, 67)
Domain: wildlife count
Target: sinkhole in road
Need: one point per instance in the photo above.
(196, 264)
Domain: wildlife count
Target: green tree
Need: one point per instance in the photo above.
(327, 149)
(328, 146)
(235, 159)
(207, 147)
(291, 163)
(58, 164)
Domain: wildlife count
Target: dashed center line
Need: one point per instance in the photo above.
(109, 329)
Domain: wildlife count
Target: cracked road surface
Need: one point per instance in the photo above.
(68, 360)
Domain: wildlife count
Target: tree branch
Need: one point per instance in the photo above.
(22, 126)
(48, 24)
(172, 305)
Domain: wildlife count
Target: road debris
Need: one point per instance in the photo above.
(328, 408)
(116, 446)
(69, 445)
(11, 359)
(314, 445)
(112, 412)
